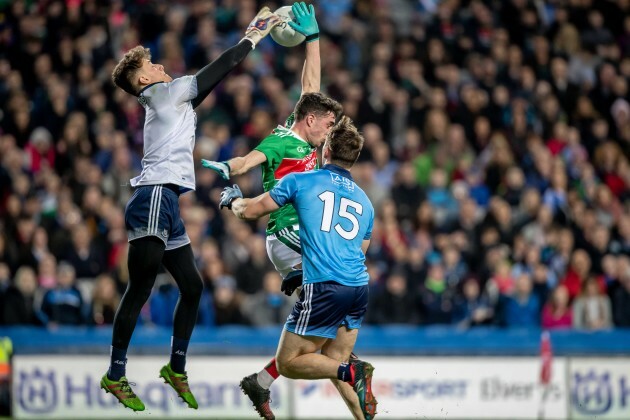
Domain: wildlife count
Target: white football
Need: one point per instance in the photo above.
(283, 34)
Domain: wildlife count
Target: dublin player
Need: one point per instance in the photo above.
(156, 231)
(288, 149)
(336, 219)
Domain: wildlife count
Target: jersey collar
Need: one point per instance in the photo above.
(294, 134)
(338, 170)
(147, 87)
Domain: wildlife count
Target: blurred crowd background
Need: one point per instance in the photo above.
(496, 154)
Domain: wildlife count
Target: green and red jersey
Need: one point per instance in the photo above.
(286, 153)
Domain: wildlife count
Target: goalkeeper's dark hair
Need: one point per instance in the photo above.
(344, 142)
(124, 73)
(316, 103)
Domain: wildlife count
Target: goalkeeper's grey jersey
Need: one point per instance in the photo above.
(169, 134)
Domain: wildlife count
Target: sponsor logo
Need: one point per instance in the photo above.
(592, 392)
(180, 353)
(37, 392)
(400, 389)
(342, 182)
(289, 166)
(260, 24)
(496, 389)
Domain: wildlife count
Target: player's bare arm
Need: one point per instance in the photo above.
(365, 245)
(242, 164)
(312, 70)
(247, 208)
(253, 208)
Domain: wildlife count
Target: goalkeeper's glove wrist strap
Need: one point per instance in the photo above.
(250, 40)
(312, 37)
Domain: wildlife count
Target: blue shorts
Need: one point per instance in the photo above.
(153, 210)
(324, 307)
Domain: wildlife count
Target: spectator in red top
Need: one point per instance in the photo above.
(40, 151)
(578, 272)
(557, 312)
(606, 159)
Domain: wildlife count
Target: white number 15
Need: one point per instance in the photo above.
(328, 197)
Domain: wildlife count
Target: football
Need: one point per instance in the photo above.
(283, 34)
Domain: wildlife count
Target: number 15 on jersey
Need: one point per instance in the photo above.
(328, 197)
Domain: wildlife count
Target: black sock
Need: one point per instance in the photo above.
(117, 364)
(179, 347)
(344, 373)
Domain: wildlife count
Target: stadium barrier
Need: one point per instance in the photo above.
(64, 387)
(390, 340)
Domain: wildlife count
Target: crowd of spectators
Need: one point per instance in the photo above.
(497, 144)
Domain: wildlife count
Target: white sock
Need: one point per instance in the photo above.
(264, 379)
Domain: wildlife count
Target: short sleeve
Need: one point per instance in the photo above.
(285, 191)
(368, 232)
(183, 89)
(272, 147)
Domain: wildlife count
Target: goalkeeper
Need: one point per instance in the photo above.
(288, 149)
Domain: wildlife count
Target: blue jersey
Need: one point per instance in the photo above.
(335, 217)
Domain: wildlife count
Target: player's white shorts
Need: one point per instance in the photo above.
(284, 250)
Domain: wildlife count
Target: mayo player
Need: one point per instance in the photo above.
(291, 148)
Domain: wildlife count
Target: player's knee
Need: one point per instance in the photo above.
(193, 289)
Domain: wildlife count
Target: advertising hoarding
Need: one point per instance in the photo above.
(68, 387)
(599, 388)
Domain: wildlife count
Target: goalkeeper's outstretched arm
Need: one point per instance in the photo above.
(209, 76)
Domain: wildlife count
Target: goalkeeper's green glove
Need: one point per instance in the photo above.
(222, 168)
(305, 22)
